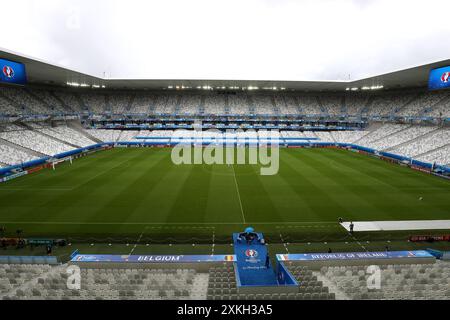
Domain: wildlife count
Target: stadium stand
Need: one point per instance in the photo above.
(439, 155)
(71, 100)
(68, 135)
(95, 103)
(390, 104)
(422, 104)
(215, 104)
(425, 141)
(332, 105)
(440, 110)
(348, 136)
(119, 103)
(105, 135)
(141, 104)
(290, 105)
(424, 281)
(329, 282)
(309, 105)
(35, 141)
(7, 106)
(47, 99)
(190, 104)
(238, 104)
(45, 282)
(356, 103)
(262, 104)
(12, 156)
(26, 102)
(380, 133)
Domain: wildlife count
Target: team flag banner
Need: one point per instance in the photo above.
(12, 72)
(152, 258)
(354, 255)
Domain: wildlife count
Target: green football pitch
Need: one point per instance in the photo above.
(138, 193)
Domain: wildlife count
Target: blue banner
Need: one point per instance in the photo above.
(284, 276)
(151, 258)
(354, 255)
(12, 72)
(439, 78)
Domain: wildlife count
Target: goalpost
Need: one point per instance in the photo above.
(54, 162)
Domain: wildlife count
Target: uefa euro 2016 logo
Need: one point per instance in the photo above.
(8, 72)
(251, 253)
(445, 76)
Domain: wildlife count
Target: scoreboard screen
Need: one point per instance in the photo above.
(439, 78)
(12, 72)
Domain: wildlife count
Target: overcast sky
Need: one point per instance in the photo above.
(229, 39)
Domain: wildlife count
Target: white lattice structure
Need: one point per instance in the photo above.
(263, 104)
(214, 104)
(70, 100)
(400, 137)
(324, 136)
(129, 136)
(35, 141)
(6, 107)
(380, 133)
(119, 103)
(428, 143)
(95, 102)
(387, 104)
(441, 109)
(11, 127)
(348, 136)
(411, 282)
(440, 156)
(332, 104)
(43, 282)
(53, 104)
(409, 103)
(23, 98)
(425, 101)
(68, 135)
(291, 106)
(12, 156)
(190, 104)
(105, 135)
(238, 104)
(356, 103)
(309, 105)
(142, 103)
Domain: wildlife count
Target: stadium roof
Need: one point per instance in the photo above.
(44, 73)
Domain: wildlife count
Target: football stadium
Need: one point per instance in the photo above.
(192, 189)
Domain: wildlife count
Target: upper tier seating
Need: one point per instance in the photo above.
(410, 103)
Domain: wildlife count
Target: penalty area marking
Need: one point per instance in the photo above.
(397, 225)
